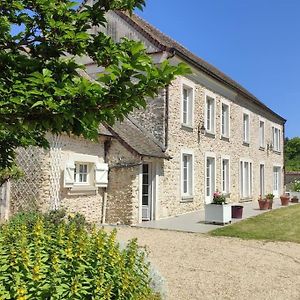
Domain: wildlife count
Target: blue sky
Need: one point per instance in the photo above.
(256, 42)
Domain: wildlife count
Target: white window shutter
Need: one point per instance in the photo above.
(69, 174)
(101, 175)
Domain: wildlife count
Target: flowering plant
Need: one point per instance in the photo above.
(296, 186)
(219, 198)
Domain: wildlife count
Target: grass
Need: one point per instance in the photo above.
(277, 225)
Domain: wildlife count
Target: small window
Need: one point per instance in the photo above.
(261, 134)
(187, 106)
(187, 175)
(276, 139)
(246, 128)
(225, 120)
(81, 173)
(225, 176)
(210, 115)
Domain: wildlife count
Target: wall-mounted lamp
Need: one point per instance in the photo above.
(201, 130)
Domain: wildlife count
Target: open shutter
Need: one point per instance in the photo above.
(69, 174)
(101, 175)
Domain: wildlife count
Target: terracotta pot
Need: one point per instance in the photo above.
(295, 200)
(263, 204)
(284, 200)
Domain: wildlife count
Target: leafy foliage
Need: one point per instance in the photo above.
(41, 260)
(296, 186)
(44, 88)
(219, 198)
(292, 154)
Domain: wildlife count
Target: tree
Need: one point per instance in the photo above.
(292, 154)
(40, 83)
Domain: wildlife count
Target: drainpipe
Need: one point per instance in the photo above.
(107, 144)
(166, 116)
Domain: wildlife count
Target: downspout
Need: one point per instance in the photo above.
(107, 144)
(283, 151)
(167, 94)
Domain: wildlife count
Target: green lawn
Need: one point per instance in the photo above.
(277, 225)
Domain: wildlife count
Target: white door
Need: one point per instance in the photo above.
(276, 181)
(146, 192)
(210, 179)
(262, 179)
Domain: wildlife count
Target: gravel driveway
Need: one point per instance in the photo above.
(197, 266)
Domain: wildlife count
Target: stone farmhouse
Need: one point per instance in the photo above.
(203, 133)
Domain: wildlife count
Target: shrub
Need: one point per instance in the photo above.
(296, 186)
(39, 260)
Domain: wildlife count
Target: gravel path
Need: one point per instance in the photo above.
(197, 266)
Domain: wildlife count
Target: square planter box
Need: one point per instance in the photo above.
(218, 214)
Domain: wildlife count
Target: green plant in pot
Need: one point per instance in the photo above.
(269, 199)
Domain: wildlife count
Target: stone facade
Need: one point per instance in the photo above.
(183, 138)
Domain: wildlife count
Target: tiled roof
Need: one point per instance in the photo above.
(165, 43)
(136, 139)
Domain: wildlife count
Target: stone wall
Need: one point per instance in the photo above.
(152, 118)
(181, 138)
(122, 201)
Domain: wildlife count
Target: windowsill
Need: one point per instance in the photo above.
(187, 127)
(247, 144)
(83, 190)
(225, 138)
(210, 134)
(277, 152)
(246, 199)
(262, 148)
(185, 199)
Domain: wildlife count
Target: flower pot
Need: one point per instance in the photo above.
(237, 211)
(284, 200)
(263, 204)
(295, 200)
(219, 214)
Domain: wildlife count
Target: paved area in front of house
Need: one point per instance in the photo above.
(195, 221)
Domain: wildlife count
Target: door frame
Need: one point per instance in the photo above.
(279, 179)
(209, 199)
(153, 182)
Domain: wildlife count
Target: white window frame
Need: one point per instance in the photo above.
(226, 134)
(279, 180)
(189, 195)
(262, 135)
(246, 130)
(276, 142)
(242, 178)
(77, 173)
(211, 96)
(190, 87)
(208, 199)
(262, 180)
(227, 158)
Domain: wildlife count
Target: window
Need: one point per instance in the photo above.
(187, 106)
(276, 139)
(261, 134)
(225, 120)
(262, 179)
(187, 175)
(246, 128)
(245, 179)
(276, 181)
(81, 173)
(210, 178)
(225, 176)
(210, 115)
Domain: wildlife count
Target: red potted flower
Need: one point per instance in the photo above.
(263, 203)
